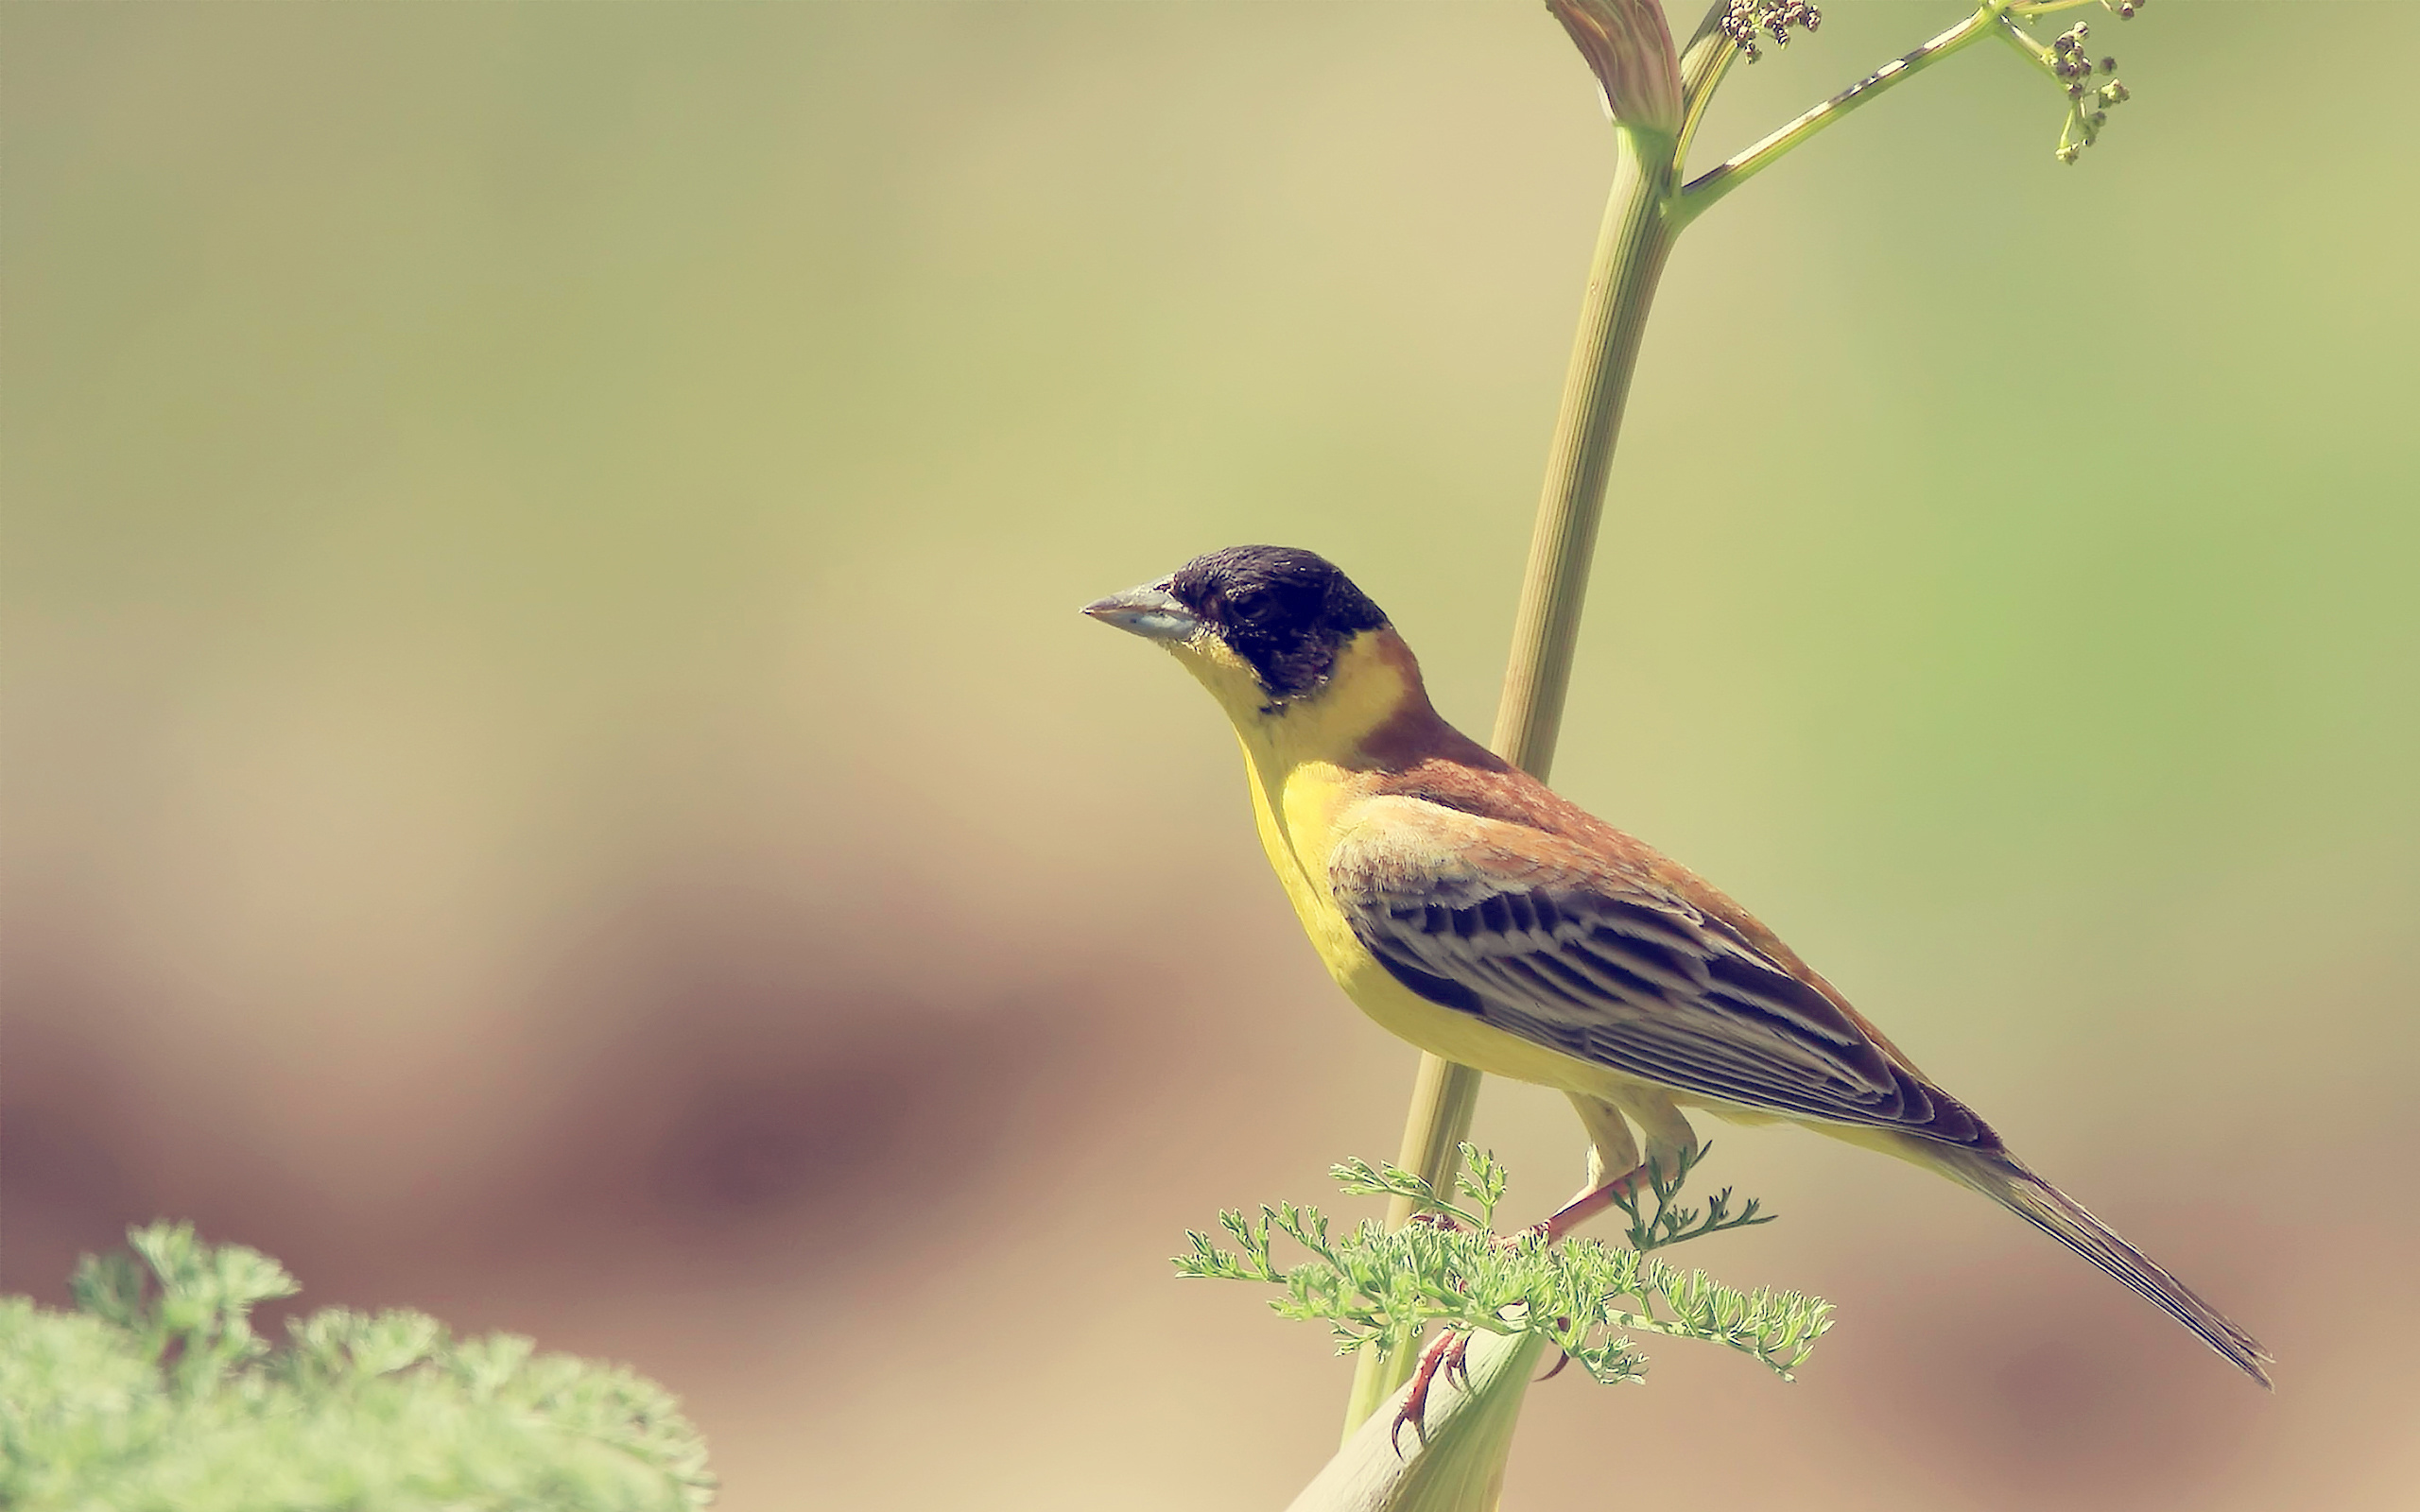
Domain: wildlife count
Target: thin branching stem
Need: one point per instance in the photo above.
(1710, 186)
(2025, 47)
(1704, 62)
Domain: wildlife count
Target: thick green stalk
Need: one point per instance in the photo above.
(1632, 246)
(1443, 1098)
(1456, 1461)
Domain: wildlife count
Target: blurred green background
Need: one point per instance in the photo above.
(552, 773)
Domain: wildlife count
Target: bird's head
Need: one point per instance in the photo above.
(1269, 629)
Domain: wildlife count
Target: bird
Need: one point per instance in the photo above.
(1470, 909)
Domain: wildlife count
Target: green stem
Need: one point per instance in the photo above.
(1632, 246)
(1719, 180)
(1444, 1098)
(1459, 1462)
(1704, 62)
(2027, 48)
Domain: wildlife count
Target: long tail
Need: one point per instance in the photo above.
(2002, 1177)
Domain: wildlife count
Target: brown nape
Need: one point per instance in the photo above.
(1416, 754)
(1415, 732)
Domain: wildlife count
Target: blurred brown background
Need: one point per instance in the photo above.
(552, 773)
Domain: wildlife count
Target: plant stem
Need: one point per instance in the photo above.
(1704, 62)
(1443, 1098)
(1458, 1463)
(2027, 48)
(1719, 180)
(1632, 246)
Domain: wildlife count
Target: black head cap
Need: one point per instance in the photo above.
(1286, 612)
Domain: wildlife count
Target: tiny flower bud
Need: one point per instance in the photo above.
(1740, 20)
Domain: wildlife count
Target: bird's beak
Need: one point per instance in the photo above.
(1148, 612)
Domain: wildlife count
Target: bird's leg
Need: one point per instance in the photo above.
(1446, 1354)
(1670, 1144)
(1588, 1204)
(1611, 1148)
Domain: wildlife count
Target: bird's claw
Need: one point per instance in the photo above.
(1457, 1368)
(1449, 1355)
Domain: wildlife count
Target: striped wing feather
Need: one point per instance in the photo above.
(1620, 973)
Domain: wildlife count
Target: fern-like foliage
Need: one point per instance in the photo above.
(1451, 1268)
(156, 1395)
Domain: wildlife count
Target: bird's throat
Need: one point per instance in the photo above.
(1304, 755)
(1374, 683)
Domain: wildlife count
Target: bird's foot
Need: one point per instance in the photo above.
(1449, 1356)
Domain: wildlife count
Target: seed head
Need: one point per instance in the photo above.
(2089, 100)
(1743, 19)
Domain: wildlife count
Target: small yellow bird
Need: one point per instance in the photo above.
(1474, 912)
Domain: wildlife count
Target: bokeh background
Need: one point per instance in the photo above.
(552, 774)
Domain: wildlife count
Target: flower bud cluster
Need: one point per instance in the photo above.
(2089, 104)
(1745, 18)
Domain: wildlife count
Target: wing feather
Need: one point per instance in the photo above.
(1521, 931)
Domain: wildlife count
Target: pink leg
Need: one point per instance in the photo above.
(1580, 1209)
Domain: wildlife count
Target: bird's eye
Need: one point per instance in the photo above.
(1252, 604)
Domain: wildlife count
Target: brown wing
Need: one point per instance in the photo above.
(1529, 932)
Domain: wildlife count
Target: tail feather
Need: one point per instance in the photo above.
(2000, 1177)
